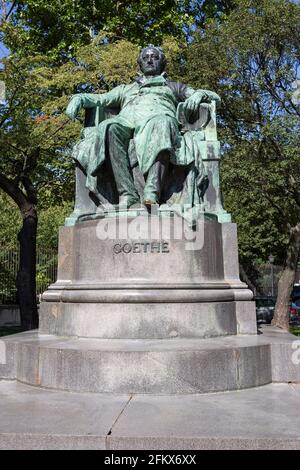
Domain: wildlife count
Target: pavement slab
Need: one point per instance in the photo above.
(266, 417)
(36, 418)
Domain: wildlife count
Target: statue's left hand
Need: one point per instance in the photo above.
(212, 96)
(191, 105)
(74, 107)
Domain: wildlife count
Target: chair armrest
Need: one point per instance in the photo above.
(206, 120)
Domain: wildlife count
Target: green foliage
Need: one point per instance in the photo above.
(50, 219)
(7, 277)
(295, 330)
(251, 59)
(260, 227)
(96, 67)
(10, 221)
(59, 27)
(25, 127)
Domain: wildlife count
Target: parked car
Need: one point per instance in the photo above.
(296, 293)
(295, 311)
(264, 309)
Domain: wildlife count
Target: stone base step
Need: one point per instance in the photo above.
(172, 366)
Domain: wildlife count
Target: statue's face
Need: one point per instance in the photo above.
(150, 62)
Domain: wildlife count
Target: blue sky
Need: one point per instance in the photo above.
(3, 50)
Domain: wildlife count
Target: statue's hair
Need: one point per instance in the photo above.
(160, 51)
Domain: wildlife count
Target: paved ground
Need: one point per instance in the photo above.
(266, 417)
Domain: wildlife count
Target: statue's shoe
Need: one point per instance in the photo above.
(151, 206)
(150, 200)
(149, 203)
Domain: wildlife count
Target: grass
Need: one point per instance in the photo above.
(295, 330)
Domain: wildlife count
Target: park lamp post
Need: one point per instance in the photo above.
(271, 261)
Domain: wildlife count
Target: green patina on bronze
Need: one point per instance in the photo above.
(144, 130)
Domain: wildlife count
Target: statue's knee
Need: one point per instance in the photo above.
(165, 121)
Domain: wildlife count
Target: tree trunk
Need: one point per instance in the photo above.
(25, 282)
(286, 281)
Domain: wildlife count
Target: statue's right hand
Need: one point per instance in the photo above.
(74, 107)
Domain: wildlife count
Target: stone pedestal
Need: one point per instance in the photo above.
(147, 277)
(147, 305)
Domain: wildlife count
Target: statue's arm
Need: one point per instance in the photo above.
(82, 100)
(193, 99)
(90, 100)
(206, 96)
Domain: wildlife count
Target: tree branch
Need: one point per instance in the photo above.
(10, 11)
(30, 189)
(273, 204)
(12, 190)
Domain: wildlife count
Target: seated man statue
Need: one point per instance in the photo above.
(148, 115)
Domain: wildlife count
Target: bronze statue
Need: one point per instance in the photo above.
(144, 131)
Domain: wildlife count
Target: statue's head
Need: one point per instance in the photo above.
(152, 60)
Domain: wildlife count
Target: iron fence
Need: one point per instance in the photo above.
(267, 279)
(46, 269)
(263, 278)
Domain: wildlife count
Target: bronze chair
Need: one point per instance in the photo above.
(87, 203)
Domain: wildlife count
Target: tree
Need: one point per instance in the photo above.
(252, 59)
(58, 28)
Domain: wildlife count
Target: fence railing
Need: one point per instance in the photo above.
(46, 269)
(262, 279)
(265, 280)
